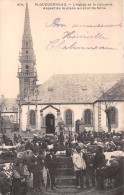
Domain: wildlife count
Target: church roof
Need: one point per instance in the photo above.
(115, 92)
(80, 88)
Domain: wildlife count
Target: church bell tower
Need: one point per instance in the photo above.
(27, 73)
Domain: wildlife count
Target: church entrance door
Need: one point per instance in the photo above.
(50, 124)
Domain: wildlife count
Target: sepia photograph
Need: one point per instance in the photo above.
(61, 97)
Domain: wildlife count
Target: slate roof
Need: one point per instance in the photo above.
(10, 105)
(80, 88)
(116, 92)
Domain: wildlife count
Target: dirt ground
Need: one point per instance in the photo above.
(92, 191)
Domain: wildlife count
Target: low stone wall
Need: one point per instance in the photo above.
(23, 134)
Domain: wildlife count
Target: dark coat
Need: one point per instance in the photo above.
(40, 162)
(50, 161)
(99, 160)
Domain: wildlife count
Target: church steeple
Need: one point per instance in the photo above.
(27, 28)
(27, 73)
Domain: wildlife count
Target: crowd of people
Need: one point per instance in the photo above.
(35, 161)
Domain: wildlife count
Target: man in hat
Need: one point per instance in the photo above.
(79, 167)
(98, 165)
(38, 172)
(19, 185)
(50, 165)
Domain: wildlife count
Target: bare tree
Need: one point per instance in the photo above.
(109, 98)
(108, 104)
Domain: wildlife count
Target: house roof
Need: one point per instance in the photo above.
(80, 88)
(116, 92)
(9, 105)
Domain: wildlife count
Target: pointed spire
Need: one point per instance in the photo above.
(27, 42)
(27, 73)
(27, 29)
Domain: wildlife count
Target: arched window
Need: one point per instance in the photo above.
(113, 116)
(27, 68)
(68, 117)
(5, 118)
(26, 44)
(11, 118)
(32, 118)
(88, 117)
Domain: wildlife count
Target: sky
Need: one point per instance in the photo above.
(54, 45)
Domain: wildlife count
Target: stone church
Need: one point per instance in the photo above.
(66, 102)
